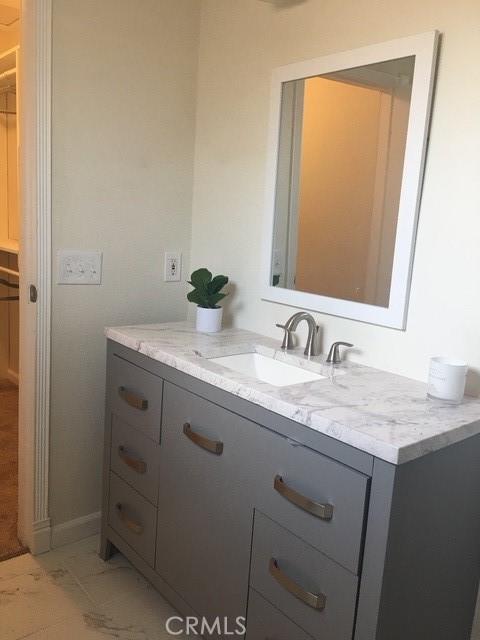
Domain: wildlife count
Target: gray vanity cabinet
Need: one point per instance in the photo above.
(136, 397)
(283, 564)
(205, 503)
(135, 459)
(133, 516)
(231, 510)
(265, 622)
(293, 483)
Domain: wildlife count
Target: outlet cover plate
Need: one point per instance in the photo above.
(173, 266)
(79, 267)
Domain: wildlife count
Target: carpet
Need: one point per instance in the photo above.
(9, 543)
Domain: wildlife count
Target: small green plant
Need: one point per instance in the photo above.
(206, 289)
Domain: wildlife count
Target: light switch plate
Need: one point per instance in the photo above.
(79, 267)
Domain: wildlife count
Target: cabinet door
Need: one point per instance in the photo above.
(205, 508)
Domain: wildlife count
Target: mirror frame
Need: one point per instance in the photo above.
(424, 47)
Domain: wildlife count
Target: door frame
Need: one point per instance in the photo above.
(35, 88)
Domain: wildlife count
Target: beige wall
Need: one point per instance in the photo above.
(123, 131)
(241, 42)
(123, 128)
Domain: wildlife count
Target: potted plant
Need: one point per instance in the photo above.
(206, 295)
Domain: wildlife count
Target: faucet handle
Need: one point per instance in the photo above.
(287, 342)
(334, 353)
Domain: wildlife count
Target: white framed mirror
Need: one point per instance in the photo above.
(347, 142)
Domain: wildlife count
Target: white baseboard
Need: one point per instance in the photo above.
(41, 537)
(75, 530)
(12, 376)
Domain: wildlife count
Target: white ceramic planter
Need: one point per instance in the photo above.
(209, 320)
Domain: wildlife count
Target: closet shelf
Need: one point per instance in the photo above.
(9, 272)
(8, 60)
(10, 285)
(9, 246)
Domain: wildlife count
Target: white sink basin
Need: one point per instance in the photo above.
(267, 369)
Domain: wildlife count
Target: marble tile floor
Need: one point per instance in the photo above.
(71, 593)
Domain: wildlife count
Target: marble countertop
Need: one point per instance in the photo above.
(386, 415)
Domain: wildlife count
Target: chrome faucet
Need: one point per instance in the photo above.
(334, 353)
(312, 347)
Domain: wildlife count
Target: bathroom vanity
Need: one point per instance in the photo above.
(344, 507)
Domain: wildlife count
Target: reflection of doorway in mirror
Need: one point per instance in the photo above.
(348, 197)
(340, 140)
(341, 152)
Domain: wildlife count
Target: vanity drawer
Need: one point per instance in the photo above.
(319, 499)
(133, 518)
(135, 458)
(266, 622)
(316, 593)
(136, 397)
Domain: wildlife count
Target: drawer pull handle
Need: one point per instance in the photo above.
(132, 399)
(205, 443)
(128, 522)
(323, 511)
(134, 463)
(314, 600)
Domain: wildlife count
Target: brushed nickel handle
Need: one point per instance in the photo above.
(314, 600)
(334, 353)
(133, 399)
(201, 441)
(136, 464)
(287, 342)
(317, 509)
(131, 524)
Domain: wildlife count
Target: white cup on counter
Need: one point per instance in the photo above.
(446, 379)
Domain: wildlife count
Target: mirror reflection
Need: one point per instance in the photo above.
(341, 149)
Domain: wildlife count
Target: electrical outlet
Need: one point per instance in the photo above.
(173, 266)
(79, 267)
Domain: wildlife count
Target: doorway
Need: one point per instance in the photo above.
(25, 257)
(10, 217)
